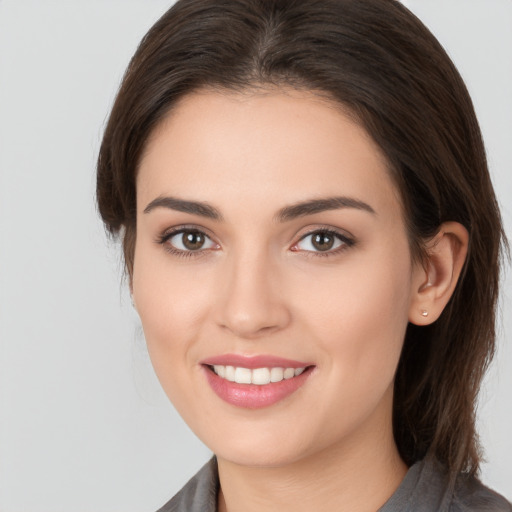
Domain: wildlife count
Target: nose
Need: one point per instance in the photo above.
(251, 303)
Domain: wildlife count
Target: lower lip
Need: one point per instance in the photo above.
(252, 396)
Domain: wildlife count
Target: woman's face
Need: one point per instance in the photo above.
(270, 239)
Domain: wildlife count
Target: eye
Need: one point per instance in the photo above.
(188, 240)
(322, 241)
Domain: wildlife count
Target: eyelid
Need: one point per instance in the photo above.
(169, 233)
(208, 241)
(347, 240)
(180, 228)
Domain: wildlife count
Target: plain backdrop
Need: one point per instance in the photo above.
(84, 425)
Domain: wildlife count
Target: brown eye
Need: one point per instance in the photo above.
(322, 241)
(193, 240)
(189, 241)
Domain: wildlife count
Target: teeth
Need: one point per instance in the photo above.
(230, 373)
(276, 374)
(220, 371)
(258, 376)
(289, 373)
(243, 376)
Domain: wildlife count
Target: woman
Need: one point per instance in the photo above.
(313, 247)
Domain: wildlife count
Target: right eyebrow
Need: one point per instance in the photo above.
(181, 205)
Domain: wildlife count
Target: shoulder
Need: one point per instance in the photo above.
(199, 494)
(428, 487)
(470, 495)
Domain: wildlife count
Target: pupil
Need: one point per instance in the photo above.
(323, 241)
(193, 241)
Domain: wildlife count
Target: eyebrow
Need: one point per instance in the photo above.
(287, 213)
(181, 205)
(321, 205)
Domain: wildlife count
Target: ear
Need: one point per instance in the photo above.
(435, 280)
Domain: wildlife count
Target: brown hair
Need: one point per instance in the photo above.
(379, 61)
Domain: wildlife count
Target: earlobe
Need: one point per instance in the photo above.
(435, 282)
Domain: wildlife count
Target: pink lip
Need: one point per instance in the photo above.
(252, 396)
(252, 362)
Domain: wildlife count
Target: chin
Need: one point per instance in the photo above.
(251, 457)
(271, 448)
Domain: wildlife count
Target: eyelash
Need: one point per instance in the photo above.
(166, 236)
(346, 241)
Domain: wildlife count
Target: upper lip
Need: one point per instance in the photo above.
(252, 362)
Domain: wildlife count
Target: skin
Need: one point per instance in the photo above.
(258, 286)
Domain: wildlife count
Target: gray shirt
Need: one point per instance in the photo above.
(425, 488)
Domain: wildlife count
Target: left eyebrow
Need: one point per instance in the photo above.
(320, 205)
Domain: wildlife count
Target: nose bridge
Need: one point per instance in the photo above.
(251, 303)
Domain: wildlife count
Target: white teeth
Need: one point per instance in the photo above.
(289, 373)
(243, 376)
(258, 376)
(276, 374)
(220, 370)
(230, 373)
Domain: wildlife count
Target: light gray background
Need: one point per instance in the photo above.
(84, 425)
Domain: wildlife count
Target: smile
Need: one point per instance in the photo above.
(255, 382)
(257, 376)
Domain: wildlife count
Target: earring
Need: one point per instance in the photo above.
(424, 312)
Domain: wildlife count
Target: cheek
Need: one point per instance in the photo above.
(360, 315)
(358, 320)
(171, 306)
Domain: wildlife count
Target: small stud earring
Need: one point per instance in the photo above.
(424, 312)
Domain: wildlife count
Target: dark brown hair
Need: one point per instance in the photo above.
(379, 62)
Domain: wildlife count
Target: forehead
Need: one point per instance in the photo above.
(266, 146)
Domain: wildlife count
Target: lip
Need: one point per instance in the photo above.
(253, 362)
(252, 396)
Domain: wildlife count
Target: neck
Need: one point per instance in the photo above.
(358, 475)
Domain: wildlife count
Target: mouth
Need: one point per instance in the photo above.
(254, 383)
(256, 376)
